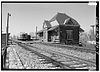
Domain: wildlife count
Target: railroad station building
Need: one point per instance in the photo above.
(66, 31)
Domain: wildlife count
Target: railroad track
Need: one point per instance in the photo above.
(57, 64)
(87, 50)
(81, 49)
(84, 55)
(63, 60)
(37, 62)
(19, 59)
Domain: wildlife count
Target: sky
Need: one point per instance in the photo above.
(26, 16)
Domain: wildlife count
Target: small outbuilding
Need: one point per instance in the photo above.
(3, 39)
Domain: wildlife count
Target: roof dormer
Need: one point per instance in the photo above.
(46, 24)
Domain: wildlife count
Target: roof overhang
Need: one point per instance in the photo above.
(5, 33)
(53, 28)
(81, 30)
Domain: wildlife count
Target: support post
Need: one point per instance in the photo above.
(93, 31)
(5, 52)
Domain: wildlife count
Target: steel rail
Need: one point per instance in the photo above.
(20, 59)
(62, 54)
(26, 46)
(46, 57)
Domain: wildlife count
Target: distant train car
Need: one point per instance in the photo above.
(24, 37)
(28, 37)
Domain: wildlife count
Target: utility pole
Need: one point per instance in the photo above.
(7, 34)
(7, 29)
(36, 32)
(93, 31)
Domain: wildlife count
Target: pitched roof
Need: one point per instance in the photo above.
(61, 17)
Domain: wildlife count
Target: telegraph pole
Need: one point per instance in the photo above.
(7, 29)
(5, 53)
(36, 32)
